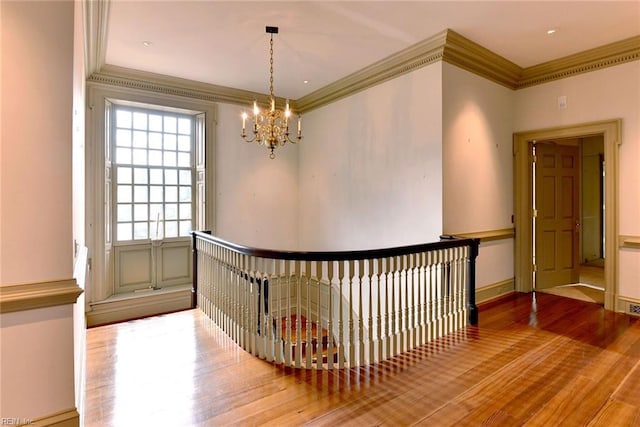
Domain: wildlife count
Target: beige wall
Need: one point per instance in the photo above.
(37, 362)
(478, 166)
(256, 197)
(37, 52)
(371, 167)
(610, 93)
(37, 352)
(478, 155)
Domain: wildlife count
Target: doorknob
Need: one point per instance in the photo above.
(577, 226)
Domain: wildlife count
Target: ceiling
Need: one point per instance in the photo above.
(225, 43)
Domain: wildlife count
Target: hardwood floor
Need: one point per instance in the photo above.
(543, 361)
(592, 275)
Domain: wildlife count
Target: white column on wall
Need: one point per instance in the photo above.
(78, 197)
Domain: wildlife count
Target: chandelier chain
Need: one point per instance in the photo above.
(271, 67)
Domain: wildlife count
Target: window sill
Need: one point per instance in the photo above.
(135, 305)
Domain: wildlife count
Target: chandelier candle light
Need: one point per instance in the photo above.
(271, 127)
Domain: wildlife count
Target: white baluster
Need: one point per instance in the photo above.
(287, 319)
(371, 344)
(388, 331)
(351, 334)
(319, 326)
(330, 314)
(379, 311)
(298, 328)
(341, 343)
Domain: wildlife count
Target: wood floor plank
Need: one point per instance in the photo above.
(629, 389)
(617, 414)
(535, 362)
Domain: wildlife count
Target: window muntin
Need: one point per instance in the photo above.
(153, 165)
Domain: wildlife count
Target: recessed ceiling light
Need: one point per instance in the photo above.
(305, 81)
(146, 43)
(552, 31)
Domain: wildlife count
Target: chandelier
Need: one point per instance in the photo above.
(270, 127)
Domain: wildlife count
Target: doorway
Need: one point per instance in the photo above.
(609, 131)
(568, 237)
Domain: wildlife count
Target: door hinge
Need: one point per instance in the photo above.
(535, 158)
(535, 268)
(89, 262)
(535, 213)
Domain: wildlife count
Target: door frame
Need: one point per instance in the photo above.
(523, 203)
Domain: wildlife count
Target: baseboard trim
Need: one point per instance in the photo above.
(494, 291)
(66, 418)
(134, 306)
(625, 304)
(28, 296)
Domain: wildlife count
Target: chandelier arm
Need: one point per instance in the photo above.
(292, 141)
(244, 137)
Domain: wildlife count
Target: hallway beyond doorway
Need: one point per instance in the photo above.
(590, 286)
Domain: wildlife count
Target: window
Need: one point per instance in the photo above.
(153, 165)
(148, 186)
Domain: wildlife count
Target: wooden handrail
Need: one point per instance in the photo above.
(447, 242)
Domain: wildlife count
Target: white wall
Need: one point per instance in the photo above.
(477, 152)
(610, 93)
(37, 362)
(78, 123)
(2, 84)
(256, 197)
(478, 166)
(36, 219)
(371, 167)
(37, 69)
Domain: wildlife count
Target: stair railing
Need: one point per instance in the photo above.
(333, 310)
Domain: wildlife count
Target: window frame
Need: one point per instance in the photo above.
(98, 192)
(115, 166)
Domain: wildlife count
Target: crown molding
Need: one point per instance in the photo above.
(135, 79)
(447, 46)
(95, 22)
(470, 56)
(416, 56)
(112, 75)
(609, 55)
(28, 296)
